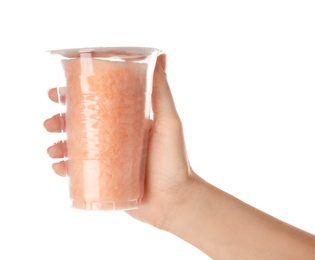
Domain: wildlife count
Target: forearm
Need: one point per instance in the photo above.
(224, 227)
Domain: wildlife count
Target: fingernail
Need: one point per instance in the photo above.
(163, 61)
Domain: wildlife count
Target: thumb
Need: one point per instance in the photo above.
(162, 99)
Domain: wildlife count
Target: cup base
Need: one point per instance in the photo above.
(106, 205)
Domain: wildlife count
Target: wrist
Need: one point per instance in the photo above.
(198, 217)
(183, 211)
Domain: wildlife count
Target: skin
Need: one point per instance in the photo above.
(177, 200)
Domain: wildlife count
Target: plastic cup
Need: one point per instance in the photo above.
(105, 96)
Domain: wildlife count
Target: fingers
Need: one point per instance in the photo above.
(57, 150)
(60, 168)
(162, 99)
(53, 95)
(55, 124)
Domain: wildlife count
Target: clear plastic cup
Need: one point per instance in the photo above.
(105, 97)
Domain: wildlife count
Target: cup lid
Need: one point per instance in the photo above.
(107, 52)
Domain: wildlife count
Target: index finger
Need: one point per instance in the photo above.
(54, 96)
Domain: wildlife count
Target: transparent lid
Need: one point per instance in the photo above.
(124, 53)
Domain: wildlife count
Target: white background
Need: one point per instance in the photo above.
(243, 78)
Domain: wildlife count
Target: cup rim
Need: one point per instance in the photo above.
(105, 51)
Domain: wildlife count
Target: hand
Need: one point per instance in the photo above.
(168, 173)
(179, 201)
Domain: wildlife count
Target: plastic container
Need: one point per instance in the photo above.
(105, 95)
